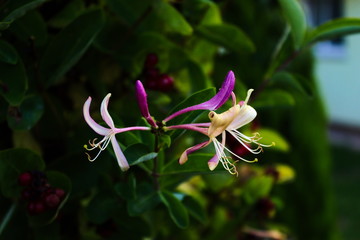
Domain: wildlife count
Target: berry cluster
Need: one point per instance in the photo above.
(154, 79)
(38, 192)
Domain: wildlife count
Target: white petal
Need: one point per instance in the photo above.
(244, 116)
(96, 127)
(124, 165)
(104, 111)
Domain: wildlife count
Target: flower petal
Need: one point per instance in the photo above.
(104, 111)
(96, 127)
(245, 115)
(215, 102)
(141, 97)
(213, 162)
(124, 165)
(184, 155)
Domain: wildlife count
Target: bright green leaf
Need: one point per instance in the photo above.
(177, 210)
(27, 114)
(8, 53)
(295, 17)
(333, 29)
(69, 47)
(13, 82)
(256, 188)
(228, 36)
(269, 136)
(171, 19)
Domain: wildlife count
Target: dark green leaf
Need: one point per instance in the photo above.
(292, 83)
(335, 28)
(8, 54)
(198, 78)
(147, 198)
(177, 210)
(129, 11)
(15, 9)
(295, 17)
(71, 11)
(56, 180)
(171, 19)
(101, 208)
(274, 98)
(195, 209)
(27, 114)
(13, 82)
(69, 45)
(138, 153)
(127, 190)
(13, 162)
(228, 36)
(256, 188)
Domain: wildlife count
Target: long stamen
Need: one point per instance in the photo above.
(248, 96)
(102, 145)
(229, 166)
(254, 151)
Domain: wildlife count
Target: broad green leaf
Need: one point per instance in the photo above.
(13, 162)
(57, 180)
(269, 136)
(212, 15)
(128, 11)
(274, 98)
(296, 18)
(291, 82)
(177, 210)
(138, 153)
(13, 82)
(27, 114)
(127, 190)
(8, 53)
(15, 9)
(171, 19)
(101, 208)
(146, 198)
(228, 36)
(71, 11)
(219, 180)
(195, 209)
(31, 26)
(333, 29)
(256, 188)
(69, 47)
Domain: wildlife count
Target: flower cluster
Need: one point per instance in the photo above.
(240, 114)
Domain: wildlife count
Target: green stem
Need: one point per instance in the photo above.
(7, 217)
(155, 174)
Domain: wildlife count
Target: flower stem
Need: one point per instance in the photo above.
(155, 174)
(7, 217)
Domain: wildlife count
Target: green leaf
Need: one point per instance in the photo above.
(8, 53)
(333, 29)
(31, 26)
(256, 188)
(195, 209)
(228, 36)
(71, 11)
(13, 82)
(291, 82)
(127, 190)
(128, 11)
(274, 98)
(57, 180)
(69, 46)
(177, 210)
(15, 9)
(13, 162)
(296, 18)
(269, 136)
(147, 198)
(138, 153)
(101, 208)
(171, 19)
(27, 114)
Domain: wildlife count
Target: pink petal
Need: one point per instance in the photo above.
(124, 165)
(141, 97)
(96, 127)
(184, 155)
(213, 162)
(104, 111)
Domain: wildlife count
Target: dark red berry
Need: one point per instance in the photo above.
(52, 201)
(60, 193)
(270, 171)
(25, 179)
(36, 207)
(27, 194)
(151, 60)
(165, 83)
(152, 73)
(152, 84)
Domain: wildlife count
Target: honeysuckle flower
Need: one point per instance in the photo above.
(229, 121)
(141, 97)
(215, 102)
(108, 133)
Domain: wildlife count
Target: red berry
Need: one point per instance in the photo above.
(152, 73)
(151, 60)
(60, 193)
(152, 84)
(36, 207)
(52, 200)
(165, 82)
(27, 194)
(25, 179)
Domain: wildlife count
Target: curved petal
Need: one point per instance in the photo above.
(96, 127)
(104, 111)
(245, 115)
(120, 157)
(184, 155)
(141, 97)
(215, 102)
(213, 162)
